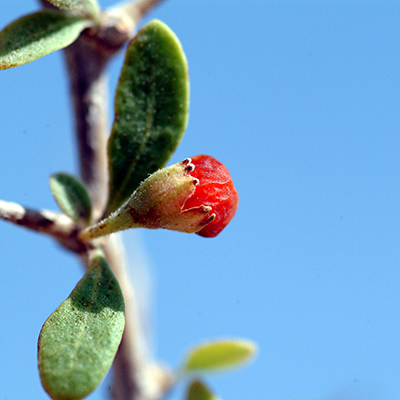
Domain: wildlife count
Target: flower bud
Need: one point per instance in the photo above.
(195, 195)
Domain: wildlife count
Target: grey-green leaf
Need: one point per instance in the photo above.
(35, 35)
(72, 197)
(84, 7)
(151, 110)
(78, 342)
(199, 391)
(217, 355)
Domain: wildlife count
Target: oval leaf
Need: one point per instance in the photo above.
(199, 391)
(35, 35)
(78, 342)
(217, 355)
(151, 110)
(85, 7)
(72, 197)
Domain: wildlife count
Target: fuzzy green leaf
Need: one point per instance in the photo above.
(35, 35)
(218, 355)
(199, 391)
(84, 7)
(151, 110)
(71, 196)
(78, 342)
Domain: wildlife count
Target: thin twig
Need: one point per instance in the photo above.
(86, 60)
(134, 376)
(57, 225)
(144, 6)
(136, 9)
(89, 89)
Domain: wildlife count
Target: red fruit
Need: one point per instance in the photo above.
(215, 189)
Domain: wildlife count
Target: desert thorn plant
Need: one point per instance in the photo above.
(123, 184)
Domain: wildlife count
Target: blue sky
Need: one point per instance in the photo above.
(301, 101)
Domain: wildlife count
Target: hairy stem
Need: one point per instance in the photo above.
(135, 378)
(86, 72)
(89, 89)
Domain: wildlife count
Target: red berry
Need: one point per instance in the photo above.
(215, 189)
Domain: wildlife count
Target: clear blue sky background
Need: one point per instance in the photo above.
(301, 100)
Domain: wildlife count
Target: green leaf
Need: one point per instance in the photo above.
(84, 7)
(78, 342)
(151, 110)
(199, 391)
(35, 35)
(72, 197)
(217, 355)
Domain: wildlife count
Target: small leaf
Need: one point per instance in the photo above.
(72, 197)
(217, 355)
(35, 35)
(151, 110)
(199, 391)
(85, 7)
(78, 342)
